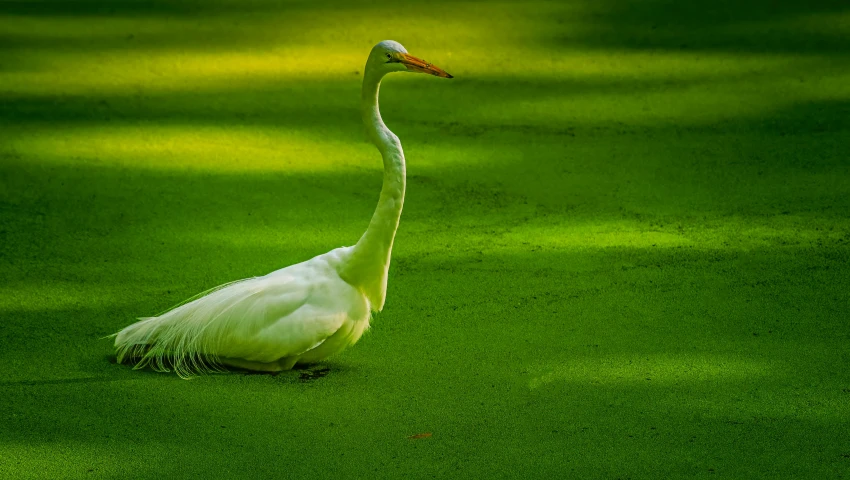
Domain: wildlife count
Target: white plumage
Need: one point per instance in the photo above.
(300, 314)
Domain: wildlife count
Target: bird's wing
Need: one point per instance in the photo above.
(285, 332)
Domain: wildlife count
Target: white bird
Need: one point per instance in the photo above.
(300, 314)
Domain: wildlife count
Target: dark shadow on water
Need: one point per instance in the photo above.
(312, 373)
(62, 381)
(283, 104)
(306, 373)
(758, 26)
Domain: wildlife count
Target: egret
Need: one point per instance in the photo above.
(303, 313)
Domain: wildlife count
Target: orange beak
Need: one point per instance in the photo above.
(418, 65)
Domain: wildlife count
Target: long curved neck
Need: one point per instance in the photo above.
(369, 261)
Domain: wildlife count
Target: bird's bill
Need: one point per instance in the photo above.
(418, 65)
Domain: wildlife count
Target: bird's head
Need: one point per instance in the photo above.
(390, 56)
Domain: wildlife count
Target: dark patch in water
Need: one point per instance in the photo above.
(313, 374)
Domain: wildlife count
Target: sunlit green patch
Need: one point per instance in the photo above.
(197, 147)
(55, 296)
(663, 369)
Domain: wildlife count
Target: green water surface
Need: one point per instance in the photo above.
(624, 253)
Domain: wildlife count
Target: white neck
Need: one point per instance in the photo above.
(369, 261)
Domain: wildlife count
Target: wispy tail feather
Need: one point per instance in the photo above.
(181, 339)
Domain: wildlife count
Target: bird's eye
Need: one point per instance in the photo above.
(389, 57)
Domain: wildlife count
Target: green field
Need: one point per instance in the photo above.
(625, 250)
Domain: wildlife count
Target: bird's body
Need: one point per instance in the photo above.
(300, 314)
